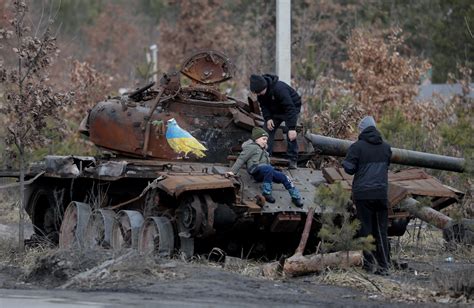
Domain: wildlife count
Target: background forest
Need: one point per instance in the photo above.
(349, 57)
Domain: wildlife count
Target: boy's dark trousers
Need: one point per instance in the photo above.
(268, 174)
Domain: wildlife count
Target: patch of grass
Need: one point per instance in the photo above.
(424, 243)
(9, 202)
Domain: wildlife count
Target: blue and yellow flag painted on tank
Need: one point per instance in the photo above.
(183, 142)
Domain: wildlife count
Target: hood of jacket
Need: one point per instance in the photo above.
(249, 144)
(271, 79)
(371, 135)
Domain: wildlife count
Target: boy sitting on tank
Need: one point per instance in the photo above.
(257, 160)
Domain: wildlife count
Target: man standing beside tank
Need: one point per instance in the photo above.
(279, 102)
(368, 160)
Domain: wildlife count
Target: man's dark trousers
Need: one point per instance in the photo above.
(373, 215)
(292, 151)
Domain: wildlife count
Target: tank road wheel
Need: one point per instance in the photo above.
(99, 229)
(157, 235)
(126, 228)
(74, 224)
(189, 217)
(186, 243)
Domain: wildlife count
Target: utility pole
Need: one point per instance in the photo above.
(154, 62)
(283, 40)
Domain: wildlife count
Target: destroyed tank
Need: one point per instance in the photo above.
(150, 193)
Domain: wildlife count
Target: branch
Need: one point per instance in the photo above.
(15, 140)
(16, 184)
(41, 19)
(26, 132)
(33, 61)
(468, 28)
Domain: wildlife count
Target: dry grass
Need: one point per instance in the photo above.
(424, 243)
(10, 254)
(9, 202)
(377, 287)
(435, 273)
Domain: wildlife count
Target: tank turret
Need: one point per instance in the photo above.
(135, 123)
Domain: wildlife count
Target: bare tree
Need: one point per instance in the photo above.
(29, 103)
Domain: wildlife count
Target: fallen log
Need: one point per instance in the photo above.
(300, 265)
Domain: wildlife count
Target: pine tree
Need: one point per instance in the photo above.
(338, 227)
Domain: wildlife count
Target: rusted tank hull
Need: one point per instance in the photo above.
(123, 129)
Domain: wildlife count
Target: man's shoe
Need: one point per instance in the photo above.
(297, 202)
(269, 198)
(293, 164)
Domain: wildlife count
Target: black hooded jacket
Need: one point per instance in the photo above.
(368, 159)
(280, 101)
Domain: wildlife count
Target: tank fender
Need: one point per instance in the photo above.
(177, 184)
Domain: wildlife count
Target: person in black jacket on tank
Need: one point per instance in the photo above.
(279, 102)
(368, 160)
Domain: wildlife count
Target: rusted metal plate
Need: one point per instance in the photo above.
(401, 184)
(332, 175)
(280, 146)
(346, 176)
(208, 67)
(252, 207)
(203, 93)
(426, 187)
(254, 107)
(408, 174)
(423, 187)
(285, 222)
(242, 120)
(175, 185)
(441, 203)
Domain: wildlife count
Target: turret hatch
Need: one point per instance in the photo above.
(208, 67)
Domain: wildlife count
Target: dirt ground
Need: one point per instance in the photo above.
(428, 275)
(128, 277)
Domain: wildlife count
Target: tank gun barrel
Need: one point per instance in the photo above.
(338, 147)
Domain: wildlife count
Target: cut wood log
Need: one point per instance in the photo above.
(300, 265)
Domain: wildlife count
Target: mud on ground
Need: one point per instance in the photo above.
(429, 276)
(201, 280)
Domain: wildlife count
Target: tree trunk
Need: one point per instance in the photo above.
(21, 208)
(307, 228)
(299, 265)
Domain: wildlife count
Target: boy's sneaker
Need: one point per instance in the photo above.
(297, 202)
(269, 198)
